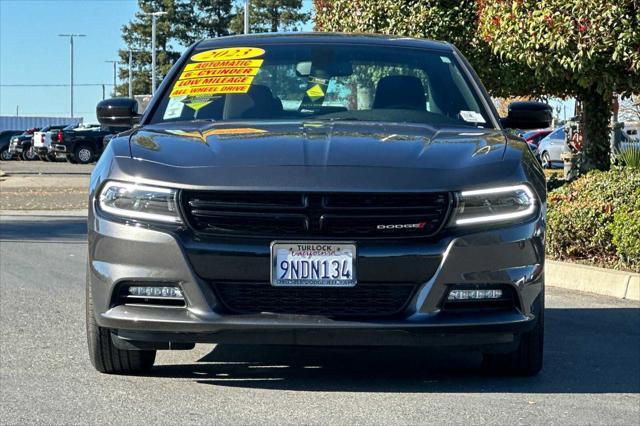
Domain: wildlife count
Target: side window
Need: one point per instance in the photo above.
(559, 134)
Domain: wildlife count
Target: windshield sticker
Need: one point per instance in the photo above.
(236, 63)
(174, 108)
(228, 53)
(315, 92)
(472, 117)
(197, 102)
(218, 72)
(209, 90)
(211, 81)
(445, 59)
(318, 80)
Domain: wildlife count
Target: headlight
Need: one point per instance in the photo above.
(139, 202)
(495, 205)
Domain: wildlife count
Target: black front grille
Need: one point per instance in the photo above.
(280, 214)
(363, 300)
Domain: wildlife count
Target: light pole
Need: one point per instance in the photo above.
(130, 73)
(114, 76)
(246, 16)
(131, 51)
(71, 36)
(153, 15)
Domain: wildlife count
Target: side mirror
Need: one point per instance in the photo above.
(528, 115)
(118, 112)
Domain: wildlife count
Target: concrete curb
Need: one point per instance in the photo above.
(607, 282)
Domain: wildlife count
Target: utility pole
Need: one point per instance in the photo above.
(103, 92)
(246, 16)
(114, 77)
(153, 15)
(17, 110)
(71, 36)
(130, 73)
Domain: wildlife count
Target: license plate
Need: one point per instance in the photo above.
(313, 264)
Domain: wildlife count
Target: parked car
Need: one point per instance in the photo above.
(82, 144)
(5, 140)
(42, 141)
(22, 145)
(551, 147)
(533, 137)
(226, 217)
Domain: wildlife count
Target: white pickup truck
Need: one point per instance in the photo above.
(42, 141)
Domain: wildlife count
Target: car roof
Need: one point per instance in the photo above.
(317, 37)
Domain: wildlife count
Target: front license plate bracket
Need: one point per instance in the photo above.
(313, 264)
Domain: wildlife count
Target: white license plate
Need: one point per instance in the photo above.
(313, 264)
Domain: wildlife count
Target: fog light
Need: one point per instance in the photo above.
(156, 292)
(474, 294)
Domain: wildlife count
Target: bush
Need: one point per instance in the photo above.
(597, 218)
(626, 233)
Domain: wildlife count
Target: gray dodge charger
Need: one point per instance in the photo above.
(317, 189)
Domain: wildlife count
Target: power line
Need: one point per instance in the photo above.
(56, 85)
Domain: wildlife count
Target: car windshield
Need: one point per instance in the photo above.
(323, 82)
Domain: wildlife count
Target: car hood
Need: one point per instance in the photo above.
(250, 154)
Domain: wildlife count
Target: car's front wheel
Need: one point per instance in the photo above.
(105, 356)
(5, 155)
(524, 361)
(84, 154)
(29, 155)
(545, 159)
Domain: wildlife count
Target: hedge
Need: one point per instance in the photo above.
(596, 219)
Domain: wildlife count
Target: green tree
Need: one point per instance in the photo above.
(584, 48)
(454, 21)
(198, 19)
(137, 37)
(270, 16)
(534, 48)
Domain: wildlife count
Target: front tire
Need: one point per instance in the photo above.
(524, 361)
(29, 155)
(84, 154)
(545, 159)
(5, 155)
(105, 356)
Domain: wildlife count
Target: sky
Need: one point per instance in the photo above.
(32, 53)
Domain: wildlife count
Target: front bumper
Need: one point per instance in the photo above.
(512, 256)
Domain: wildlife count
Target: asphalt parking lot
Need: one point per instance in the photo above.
(591, 375)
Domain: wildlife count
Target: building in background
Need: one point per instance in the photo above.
(10, 122)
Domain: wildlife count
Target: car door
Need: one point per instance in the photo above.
(556, 145)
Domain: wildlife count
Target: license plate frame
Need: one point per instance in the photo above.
(344, 246)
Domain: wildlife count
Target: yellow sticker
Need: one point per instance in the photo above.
(315, 92)
(235, 63)
(216, 72)
(197, 105)
(213, 81)
(209, 90)
(228, 53)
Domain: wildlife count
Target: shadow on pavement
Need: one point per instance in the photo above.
(44, 229)
(587, 351)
